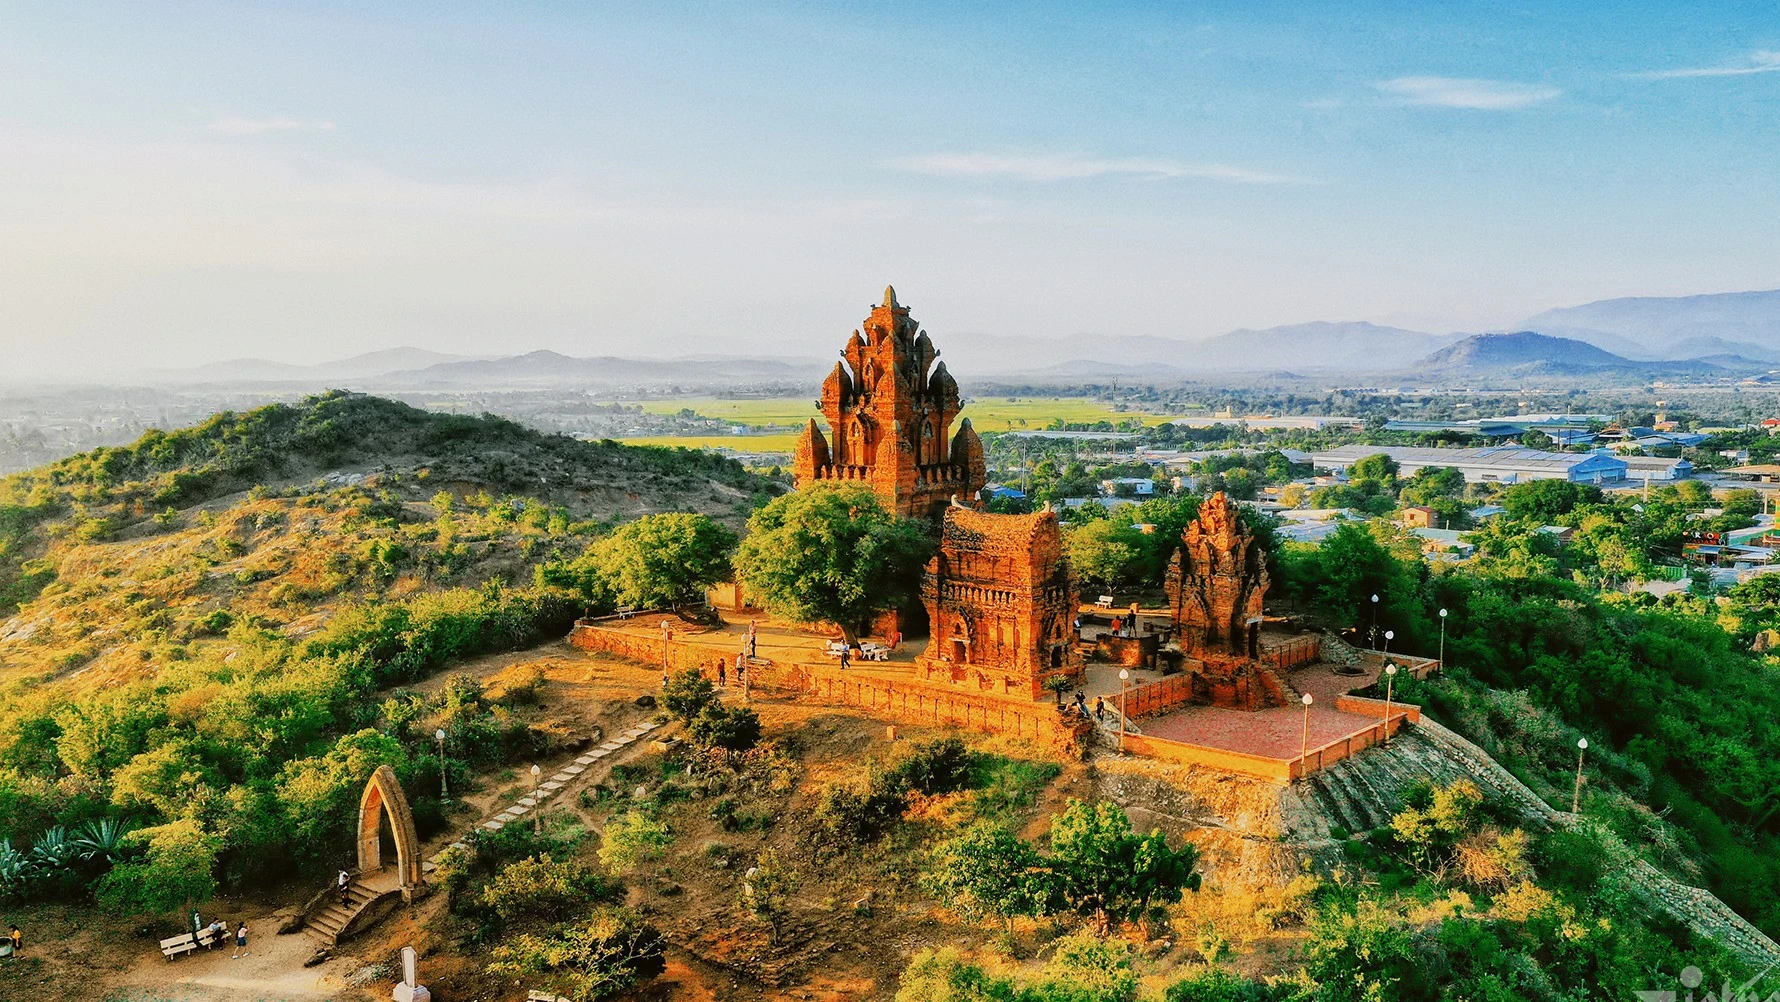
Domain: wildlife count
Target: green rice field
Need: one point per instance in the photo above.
(986, 414)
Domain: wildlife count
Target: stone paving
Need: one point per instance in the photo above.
(549, 788)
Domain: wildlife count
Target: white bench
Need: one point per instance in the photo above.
(171, 948)
(874, 652)
(1104, 602)
(626, 611)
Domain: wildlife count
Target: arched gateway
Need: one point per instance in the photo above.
(384, 794)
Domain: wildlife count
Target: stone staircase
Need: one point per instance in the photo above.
(1363, 792)
(1337, 651)
(326, 927)
(566, 777)
(340, 919)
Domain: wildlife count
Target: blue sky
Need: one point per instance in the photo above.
(186, 182)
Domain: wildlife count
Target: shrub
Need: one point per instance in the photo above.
(609, 953)
(540, 888)
(687, 694)
(632, 838)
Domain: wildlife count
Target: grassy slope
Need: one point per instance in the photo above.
(278, 515)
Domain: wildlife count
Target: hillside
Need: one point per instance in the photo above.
(277, 515)
(1658, 324)
(1485, 352)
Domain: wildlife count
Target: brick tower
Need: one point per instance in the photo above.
(890, 410)
(1001, 602)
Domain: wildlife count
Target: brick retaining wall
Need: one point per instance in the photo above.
(910, 701)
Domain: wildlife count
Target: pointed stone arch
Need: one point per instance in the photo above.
(383, 794)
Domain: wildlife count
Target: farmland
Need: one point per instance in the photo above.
(782, 414)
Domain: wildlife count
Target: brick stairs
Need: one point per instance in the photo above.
(325, 928)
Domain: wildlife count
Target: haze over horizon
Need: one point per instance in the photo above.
(305, 185)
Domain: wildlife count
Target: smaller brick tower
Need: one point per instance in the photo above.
(890, 408)
(1001, 602)
(1216, 582)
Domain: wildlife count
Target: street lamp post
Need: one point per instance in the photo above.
(1390, 681)
(444, 791)
(537, 800)
(1124, 681)
(1576, 798)
(1442, 665)
(1374, 635)
(1304, 747)
(1389, 635)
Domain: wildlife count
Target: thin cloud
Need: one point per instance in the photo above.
(1062, 167)
(1760, 61)
(237, 126)
(1464, 92)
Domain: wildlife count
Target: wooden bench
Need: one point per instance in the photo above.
(208, 937)
(1103, 602)
(171, 948)
(626, 611)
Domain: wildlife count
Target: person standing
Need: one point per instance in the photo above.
(1099, 707)
(722, 675)
(1118, 626)
(240, 942)
(344, 882)
(846, 657)
(896, 640)
(17, 939)
(753, 639)
(1134, 619)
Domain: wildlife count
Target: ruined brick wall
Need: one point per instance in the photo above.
(1000, 601)
(890, 407)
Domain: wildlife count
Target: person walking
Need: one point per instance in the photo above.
(1099, 707)
(344, 883)
(1118, 626)
(846, 657)
(240, 942)
(1134, 619)
(722, 675)
(896, 640)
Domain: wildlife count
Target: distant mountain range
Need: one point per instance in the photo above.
(1639, 338)
(1736, 323)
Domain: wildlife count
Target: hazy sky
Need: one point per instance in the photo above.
(187, 182)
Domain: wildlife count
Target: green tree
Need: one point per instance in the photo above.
(1545, 501)
(664, 560)
(1108, 552)
(687, 694)
(320, 794)
(731, 729)
(176, 869)
(591, 960)
(832, 554)
(1380, 467)
(988, 872)
(1106, 871)
(632, 838)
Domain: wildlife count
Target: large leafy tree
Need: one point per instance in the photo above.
(989, 872)
(1107, 872)
(832, 554)
(175, 869)
(1106, 552)
(661, 560)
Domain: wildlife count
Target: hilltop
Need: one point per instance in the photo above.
(278, 515)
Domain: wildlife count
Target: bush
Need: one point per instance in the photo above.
(632, 838)
(538, 888)
(687, 694)
(608, 954)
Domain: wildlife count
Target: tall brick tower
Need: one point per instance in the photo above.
(890, 409)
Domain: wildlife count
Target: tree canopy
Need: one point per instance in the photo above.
(832, 554)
